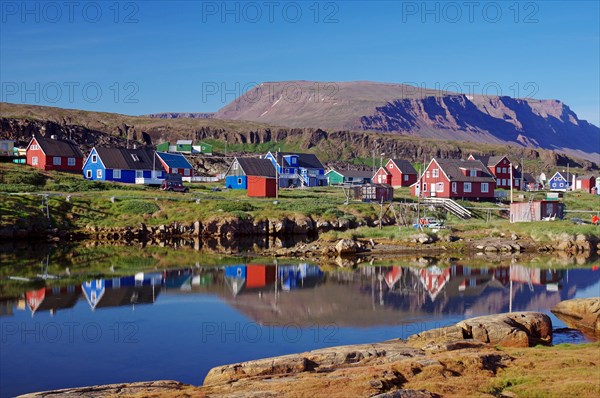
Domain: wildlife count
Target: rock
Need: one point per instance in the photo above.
(346, 246)
(138, 388)
(490, 249)
(407, 394)
(515, 329)
(422, 238)
(514, 237)
(582, 314)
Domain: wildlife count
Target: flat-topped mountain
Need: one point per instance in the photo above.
(409, 110)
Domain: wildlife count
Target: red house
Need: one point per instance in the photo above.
(456, 178)
(500, 166)
(258, 176)
(585, 183)
(383, 176)
(401, 173)
(54, 154)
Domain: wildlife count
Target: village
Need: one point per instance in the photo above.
(440, 183)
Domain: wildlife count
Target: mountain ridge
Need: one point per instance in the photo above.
(415, 111)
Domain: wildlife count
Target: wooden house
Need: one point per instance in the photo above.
(298, 169)
(500, 167)
(54, 154)
(123, 165)
(175, 163)
(456, 179)
(585, 183)
(536, 211)
(255, 175)
(561, 181)
(377, 193)
(397, 173)
(354, 177)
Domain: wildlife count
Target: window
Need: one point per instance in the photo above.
(186, 172)
(440, 187)
(427, 174)
(485, 187)
(454, 187)
(56, 160)
(405, 177)
(135, 157)
(34, 147)
(504, 169)
(99, 173)
(139, 174)
(34, 161)
(94, 158)
(498, 169)
(71, 161)
(239, 181)
(473, 173)
(424, 187)
(235, 166)
(435, 173)
(561, 184)
(293, 160)
(502, 182)
(391, 165)
(467, 187)
(117, 174)
(88, 174)
(175, 171)
(517, 183)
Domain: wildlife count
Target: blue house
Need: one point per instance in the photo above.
(237, 175)
(298, 169)
(561, 181)
(123, 165)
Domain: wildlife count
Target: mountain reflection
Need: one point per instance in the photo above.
(305, 294)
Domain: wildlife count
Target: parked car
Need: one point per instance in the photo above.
(174, 186)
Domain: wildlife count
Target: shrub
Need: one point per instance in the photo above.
(231, 207)
(136, 206)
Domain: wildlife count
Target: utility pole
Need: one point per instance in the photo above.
(276, 176)
(511, 182)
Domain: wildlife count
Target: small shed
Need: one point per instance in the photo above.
(184, 146)
(585, 183)
(536, 211)
(373, 193)
(203, 148)
(163, 146)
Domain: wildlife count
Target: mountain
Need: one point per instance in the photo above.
(413, 111)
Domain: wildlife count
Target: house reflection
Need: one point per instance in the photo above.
(52, 299)
(120, 291)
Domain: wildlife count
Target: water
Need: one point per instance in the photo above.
(179, 322)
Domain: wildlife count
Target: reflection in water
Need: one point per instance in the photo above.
(303, 293)
(180, 322)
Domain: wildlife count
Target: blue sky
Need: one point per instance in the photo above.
(137, 57)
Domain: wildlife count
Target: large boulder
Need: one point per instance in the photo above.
(515, 329)
(582, 314)
(346, 246)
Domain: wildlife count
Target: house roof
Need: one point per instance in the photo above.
(257, 167)
(566, 176)
(184, 142)
(126, 159)
(452, 169)
(528, 177)
(586, 177)
(174, 160)
(404, 166)
(384, 170)
(306, 160)
(489, 160)
(354, 173)
(52, 147)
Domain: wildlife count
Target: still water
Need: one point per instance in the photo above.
(179, 322)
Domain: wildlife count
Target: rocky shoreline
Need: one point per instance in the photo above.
(230, 229)
(474, 357)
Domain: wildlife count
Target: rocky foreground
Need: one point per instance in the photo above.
(486, 356)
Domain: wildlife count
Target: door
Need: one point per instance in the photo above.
(433, 189)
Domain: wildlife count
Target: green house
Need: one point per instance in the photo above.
(202, 147)
(354, 177)
(163, 147)
(183, 146)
